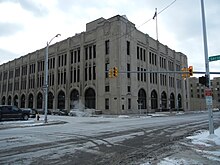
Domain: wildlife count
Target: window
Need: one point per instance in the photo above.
(128, 48)
(129, 89)
(94, 51)
(138, 52)
(128, 69)
(107, 103)
(107, 88)
(107, 47)
(106, 69)
(129, 103)
(138, 74)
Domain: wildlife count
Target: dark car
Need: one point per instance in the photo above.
(61, 112)
(9, 112)
(33, 112)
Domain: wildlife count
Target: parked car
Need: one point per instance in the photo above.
(33, 112)
(61, 112)
(9, 112)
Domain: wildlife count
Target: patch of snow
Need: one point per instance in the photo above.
(172, 161)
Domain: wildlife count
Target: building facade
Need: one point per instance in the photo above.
(77, 72)
(197, 93)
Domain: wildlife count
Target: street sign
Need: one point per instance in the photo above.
(208, 92)
(214, 58)
(208, 100)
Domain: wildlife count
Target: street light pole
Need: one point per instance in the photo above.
(211, 127)
(46, 79)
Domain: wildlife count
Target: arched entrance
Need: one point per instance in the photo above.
(3, 100)
(154, 100)
(22, 101)
(172, 101)
(39, 100)
(163, 101)
(142, 98)
(61, 100)
(9, 100)
(74, 99)
(179, 101)
(30, 100)
(50, 100)
(90, 98)
(16, 100)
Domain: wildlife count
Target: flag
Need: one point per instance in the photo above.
(155, 14)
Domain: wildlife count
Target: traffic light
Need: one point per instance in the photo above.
(190, 69)
(115, 72)
(184, 74)
(204, 80)
(110, 73)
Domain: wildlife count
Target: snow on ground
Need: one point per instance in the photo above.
(203, 143)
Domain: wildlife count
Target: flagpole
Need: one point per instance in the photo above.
(156, 24)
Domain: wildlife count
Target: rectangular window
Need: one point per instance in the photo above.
(129, 89)
(107, 103)
(138, 74)
(94, 51)
(78, 52)
(94, 72)
(138, 52)
(128, 48)
(106, 69)
(129, 103)
(107, 47)
(107, 88)
(90, 52)
(86, 53)
(75, 56)
(128, 69)
(78, 75)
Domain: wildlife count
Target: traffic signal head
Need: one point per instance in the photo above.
(110, 73)
(190, 69)
(183, 74)
(204, 80)
(115, 72)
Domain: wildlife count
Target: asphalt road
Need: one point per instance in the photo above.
(94, 141)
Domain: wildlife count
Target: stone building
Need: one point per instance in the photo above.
(197, 93)
(77, 72)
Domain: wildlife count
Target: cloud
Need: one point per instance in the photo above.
(36, 9)
(6, 56)
(7, 29)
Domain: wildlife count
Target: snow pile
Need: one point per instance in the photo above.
(208, 146)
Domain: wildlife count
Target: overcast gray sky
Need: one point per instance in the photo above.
(26, 25)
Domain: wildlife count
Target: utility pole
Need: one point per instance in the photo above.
(208, 103)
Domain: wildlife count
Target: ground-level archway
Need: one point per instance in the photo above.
(61, 100)
(22, 105)
(154, 100)
(30, 101)
(39, 100)
(15, 100)
(90, 98)
(3, 100)
(142, 99)
(9, 100)
(163, 100)
(172, 101)
(179, 101)
(74, 99)
(50, 100)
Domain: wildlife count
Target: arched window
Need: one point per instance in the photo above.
(50, 100)
(154, 100)
(39, 101)
(30, 101)
(61, 100)
(23, 101)
(16, 100)
(74, 99)
(164, 100)
(142, 99)
(172, 101)
(90, 98)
